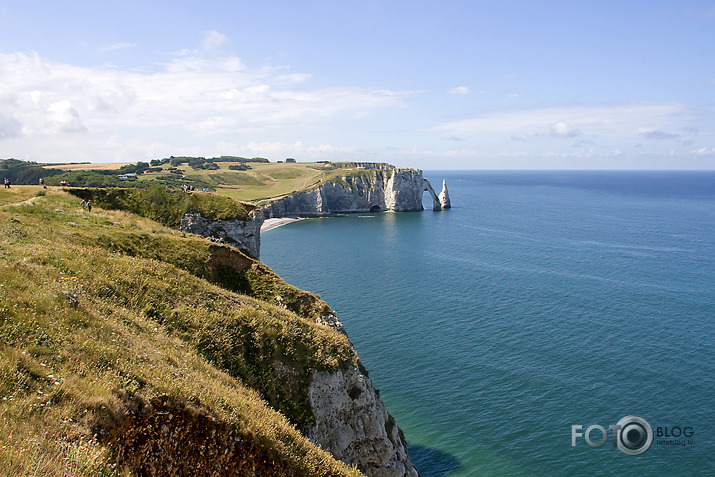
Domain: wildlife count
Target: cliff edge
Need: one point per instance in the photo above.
(133, 348)
(363, 190)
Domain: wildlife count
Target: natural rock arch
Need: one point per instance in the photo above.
(427, 187)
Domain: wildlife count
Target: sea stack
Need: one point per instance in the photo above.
(444, 196)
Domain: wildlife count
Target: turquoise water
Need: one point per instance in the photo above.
(542, 300)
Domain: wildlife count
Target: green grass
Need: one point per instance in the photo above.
(347, 177)
(263, 180)
(165, 205)
(110, 320)
(17, 193)
(270, 180)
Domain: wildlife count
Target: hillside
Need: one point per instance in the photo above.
(250, 180)
(131, 348)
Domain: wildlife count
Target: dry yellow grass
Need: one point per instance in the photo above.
(91, 334)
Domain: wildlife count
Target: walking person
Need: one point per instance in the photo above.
(89, 206)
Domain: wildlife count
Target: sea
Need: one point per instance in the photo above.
(513, 333)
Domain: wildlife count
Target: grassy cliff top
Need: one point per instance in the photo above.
(127, 346)
(258, 182)
(267, 180)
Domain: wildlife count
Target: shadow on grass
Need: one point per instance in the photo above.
(433, 462)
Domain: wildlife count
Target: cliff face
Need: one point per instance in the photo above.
(305, 204)
(405, 189)
(399, 190)
(242, 234)
(353, 425)
(444, 196)
(348, 418)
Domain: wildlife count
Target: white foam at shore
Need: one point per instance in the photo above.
(269, 224)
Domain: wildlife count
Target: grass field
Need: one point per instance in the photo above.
(109, 329)
(18, 193)
(265, 181)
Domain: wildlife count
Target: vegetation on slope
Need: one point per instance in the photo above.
(164, 205)
(356, 178)
(119, 356)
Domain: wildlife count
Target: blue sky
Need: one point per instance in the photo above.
(432, 85)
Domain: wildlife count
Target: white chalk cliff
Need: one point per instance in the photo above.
(398, 190)
(245, 235)
(444, 196)
(351, 423)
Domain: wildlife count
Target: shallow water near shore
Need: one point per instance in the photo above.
(542, 300)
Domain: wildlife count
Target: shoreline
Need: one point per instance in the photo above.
(269, 224)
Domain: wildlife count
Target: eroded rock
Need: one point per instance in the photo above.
(242, 234)
(351, 423)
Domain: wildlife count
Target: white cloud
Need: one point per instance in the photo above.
(117, 46)
(618, 120)
(580, 154)
(459, 90)
(193, 95)
(9, 127)
(297, 150)
(583, 143)
(213, 40)
(655, 134)
(562, 129)
(36, 97)
(703, 151)
(110, 98)
(63, 117)
(7, 97)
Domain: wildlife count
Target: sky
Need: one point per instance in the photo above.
(504, 85)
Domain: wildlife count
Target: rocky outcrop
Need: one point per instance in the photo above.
(304, 204)
(444, 196)
(404, 191)
(353, 425)
(373, 190)
(242, 234)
